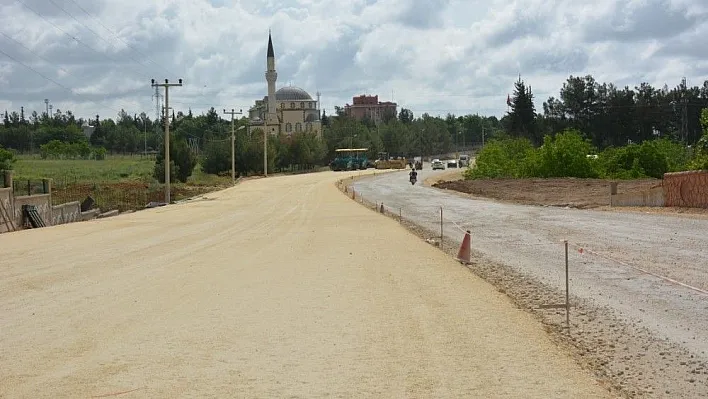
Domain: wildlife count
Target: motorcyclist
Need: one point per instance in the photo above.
(413, 174)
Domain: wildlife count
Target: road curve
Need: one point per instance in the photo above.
(632, 263)
(279, 287)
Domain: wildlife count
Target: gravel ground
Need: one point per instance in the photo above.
(647, 336)
(279, 287)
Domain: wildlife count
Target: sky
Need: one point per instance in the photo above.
(430, 56)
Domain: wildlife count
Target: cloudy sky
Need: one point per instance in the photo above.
(436, 56)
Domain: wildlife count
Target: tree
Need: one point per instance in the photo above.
(182, 162)
(216, 158)
(522, 116)
(405, 116)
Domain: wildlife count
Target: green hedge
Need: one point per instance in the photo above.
(568, 154)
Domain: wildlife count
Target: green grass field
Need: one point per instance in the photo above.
(118, 182)
(63, 172)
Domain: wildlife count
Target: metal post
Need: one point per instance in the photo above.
(567, 301)
(167, 85)
(400, 215)
(441, 227)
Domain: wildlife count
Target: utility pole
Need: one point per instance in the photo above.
(265, 152)
(167, 86)
(482, 136)
(46, 103)
(233, 143)
(145, 138)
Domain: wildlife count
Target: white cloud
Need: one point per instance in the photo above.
(436, 56)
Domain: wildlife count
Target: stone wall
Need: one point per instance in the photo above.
(686, 189)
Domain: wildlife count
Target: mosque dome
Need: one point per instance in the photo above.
(290, 93)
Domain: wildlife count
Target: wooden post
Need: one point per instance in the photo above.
(613, 190)
(441, 227)
(567, 300)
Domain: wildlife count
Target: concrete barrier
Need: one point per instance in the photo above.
(653, 197)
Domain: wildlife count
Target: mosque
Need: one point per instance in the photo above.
(288, 110)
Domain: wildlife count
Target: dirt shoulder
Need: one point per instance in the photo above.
(567, 192)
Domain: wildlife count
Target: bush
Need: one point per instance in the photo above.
(57, 149)
(635, 161)
(565, 155)
(505, 158)
(99, 153)
(7, 159)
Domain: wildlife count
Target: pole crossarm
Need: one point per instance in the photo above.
(167, 85)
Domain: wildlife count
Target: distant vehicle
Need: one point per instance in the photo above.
(350, 159)
(464, 160)
(437, 164)
(452, 163)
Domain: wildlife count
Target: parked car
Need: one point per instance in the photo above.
(437, 164)
(452, 163)
(464, 160)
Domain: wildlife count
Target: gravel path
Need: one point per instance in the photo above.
(631, 268)
(279, 287)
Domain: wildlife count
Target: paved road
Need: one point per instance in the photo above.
(279, 287)
(527, 238)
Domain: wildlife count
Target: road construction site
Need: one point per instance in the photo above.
(638, 282)
(277, 287)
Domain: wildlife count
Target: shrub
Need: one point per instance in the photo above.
(565, 155)
(506, 158)
(635, 161)
(99, 153)
(7, 159)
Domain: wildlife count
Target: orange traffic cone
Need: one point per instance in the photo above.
(463, 255)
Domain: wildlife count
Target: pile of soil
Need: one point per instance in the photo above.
(566, 192)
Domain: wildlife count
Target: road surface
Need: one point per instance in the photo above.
(632, 263)
(278, 287)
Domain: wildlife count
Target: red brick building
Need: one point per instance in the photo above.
(364, 106)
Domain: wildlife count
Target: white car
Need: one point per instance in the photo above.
(437, 164)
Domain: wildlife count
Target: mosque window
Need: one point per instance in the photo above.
(292, 105)
(298, 127)
(308, 126)
(288, 127)
(302, 104)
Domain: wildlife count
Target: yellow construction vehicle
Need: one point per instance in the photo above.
(384, 161)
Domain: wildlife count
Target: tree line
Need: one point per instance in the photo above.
(607, 115)
(603, 114)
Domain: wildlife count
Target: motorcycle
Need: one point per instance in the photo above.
(413, 179)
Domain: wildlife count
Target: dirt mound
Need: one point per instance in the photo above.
(575, 193)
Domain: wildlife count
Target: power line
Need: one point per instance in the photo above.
(73, 37)
(49, 62)
(118, 37)
(51, 80)
(95, 34)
